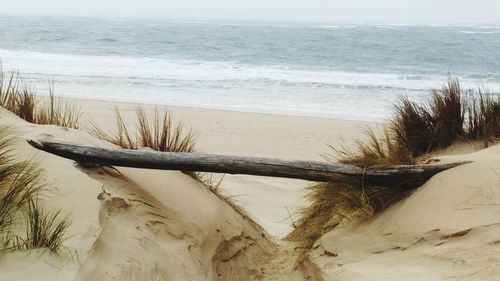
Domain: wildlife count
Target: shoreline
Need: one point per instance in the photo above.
(215, 123)
(272, 112)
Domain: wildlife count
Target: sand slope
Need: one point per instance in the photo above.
(132, 224)
(248, 134)
(449, 229)
(135, 224)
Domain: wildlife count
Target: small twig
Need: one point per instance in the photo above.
(290, 217)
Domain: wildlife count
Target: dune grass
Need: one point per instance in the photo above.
(450, 115)
(57, 112)
(483, 118)
(43, 229)
(158, 132)
(18, 181)
(19, 97)
(162, 134)
(340, 202)
(122, 137)
(19, 186)
(380, 149)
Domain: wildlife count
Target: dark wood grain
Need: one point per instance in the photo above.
(305, 170)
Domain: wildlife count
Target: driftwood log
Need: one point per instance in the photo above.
(194, 162)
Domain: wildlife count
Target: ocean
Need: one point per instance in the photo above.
(350, 71)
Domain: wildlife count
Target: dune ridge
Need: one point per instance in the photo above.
(132, 224)
(448, 229)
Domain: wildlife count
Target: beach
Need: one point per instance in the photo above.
(119, 219)
(397, 124)
(250, 134)
(140, 224)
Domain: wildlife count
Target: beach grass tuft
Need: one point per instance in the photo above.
(122, 137)
(158, 132)
(20, 183)
(375, 151)
(43, 229)
(483, 117)
(18, 180)
(343, 201)
(19, 97)
(450, 115)
(56, 112)
(161, 134)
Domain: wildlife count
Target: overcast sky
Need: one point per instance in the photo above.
(389, 11)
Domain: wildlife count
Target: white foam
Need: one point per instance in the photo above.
(386, 26)
(336, 26)
(226, 84)
(489, 27)
(155, 70)
(478, 32)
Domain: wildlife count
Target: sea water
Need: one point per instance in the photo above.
(353, 71)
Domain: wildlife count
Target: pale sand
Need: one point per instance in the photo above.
(157, 225)
(448, 229)
(250, 134)
(136, 225)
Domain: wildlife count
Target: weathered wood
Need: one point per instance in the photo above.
(306, 170)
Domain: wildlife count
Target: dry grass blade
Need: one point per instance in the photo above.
(43, 230)
(57, 113)
(22, 186)
(447, 114)
(376, 151)
(340, 202)
(22, 181)
(19, 97)
(8, 89)
(145, 131)
(411, 127)
(121, 137)
(483, 117)
(416, 129)
(19, 185)
(25, 182)
(8, 205)
(161, 134)
(6, 86)
(25, 103)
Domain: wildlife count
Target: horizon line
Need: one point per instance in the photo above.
(254, 20)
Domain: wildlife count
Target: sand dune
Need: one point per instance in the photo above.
(448, 229)
(136, 224)
(250, 134)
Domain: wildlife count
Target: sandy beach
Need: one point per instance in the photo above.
(139, 224)
(250, 134)
(250, 140)
(108, 213)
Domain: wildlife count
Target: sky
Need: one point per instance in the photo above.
(386, 11)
